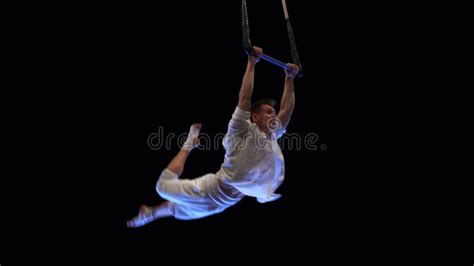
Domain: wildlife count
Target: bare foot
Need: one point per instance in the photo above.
(145, 216)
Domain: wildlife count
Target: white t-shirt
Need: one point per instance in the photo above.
(253, 162)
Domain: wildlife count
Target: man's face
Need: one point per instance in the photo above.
(266, 118)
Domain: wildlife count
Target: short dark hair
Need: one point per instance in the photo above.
(256, 105)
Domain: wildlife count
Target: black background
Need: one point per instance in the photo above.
(77, 163)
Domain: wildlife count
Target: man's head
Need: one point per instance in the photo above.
(264, 115)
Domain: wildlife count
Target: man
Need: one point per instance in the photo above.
(253, 163)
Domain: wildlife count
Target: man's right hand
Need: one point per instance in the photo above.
(255, 56)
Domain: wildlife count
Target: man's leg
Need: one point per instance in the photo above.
(177, 163)
(149, 214)
(169, 186)
(176, 166)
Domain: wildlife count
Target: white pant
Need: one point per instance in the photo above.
(196, 198)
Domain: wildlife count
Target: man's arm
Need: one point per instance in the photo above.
(246, 89)
(287, 103)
